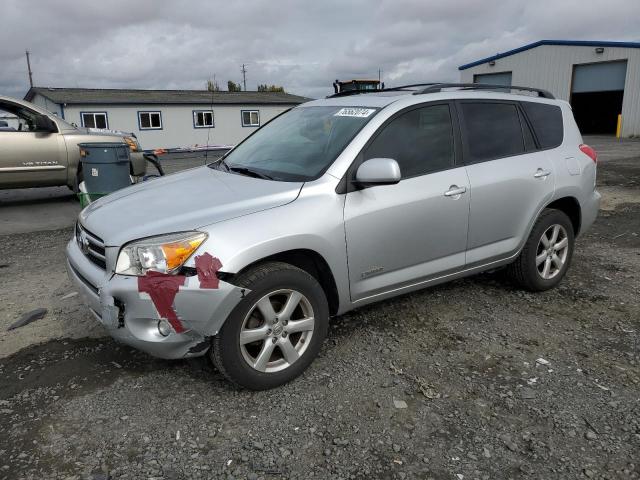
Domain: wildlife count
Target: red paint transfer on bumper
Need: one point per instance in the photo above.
(163, 288)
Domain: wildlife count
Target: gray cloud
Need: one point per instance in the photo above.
(303, 45)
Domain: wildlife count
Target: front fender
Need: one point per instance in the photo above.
(312, 222)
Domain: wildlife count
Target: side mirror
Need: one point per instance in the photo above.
(42, 123)
(378, 171)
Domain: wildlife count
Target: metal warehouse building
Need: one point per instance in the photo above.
(601, 80)
(167, 118)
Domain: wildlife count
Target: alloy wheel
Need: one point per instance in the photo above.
(277, 330)
(552, 251)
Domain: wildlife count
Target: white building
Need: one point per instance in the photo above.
(601, 80)
(167, 118)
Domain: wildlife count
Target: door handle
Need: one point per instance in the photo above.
(455, 191)
(540, 173)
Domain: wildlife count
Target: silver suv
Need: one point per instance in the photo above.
(336, 204)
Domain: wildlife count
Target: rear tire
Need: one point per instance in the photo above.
(276, 331)
(546, 256)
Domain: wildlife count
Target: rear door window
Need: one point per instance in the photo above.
(491, 130)
(420, 140)
(547, 123)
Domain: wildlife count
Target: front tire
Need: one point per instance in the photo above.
(546, 256)
(276, 331)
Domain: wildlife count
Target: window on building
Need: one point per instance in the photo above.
(492, 130)
(421, 141)
(203, 119)
(547, 123)
(150, 120)
(250, 118)
(501, 78)
(94, 119)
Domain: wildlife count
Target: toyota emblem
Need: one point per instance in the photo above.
(83, 243)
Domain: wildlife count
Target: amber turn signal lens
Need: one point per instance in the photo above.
(176, 253)
(132, 144)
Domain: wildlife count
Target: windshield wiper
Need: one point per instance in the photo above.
(219, 162)
(249, 172)
(241, 170)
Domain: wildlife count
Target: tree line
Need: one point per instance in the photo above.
(213, 86)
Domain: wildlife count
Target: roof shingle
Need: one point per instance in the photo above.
(157, 97)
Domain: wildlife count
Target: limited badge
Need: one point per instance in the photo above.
(94, 172)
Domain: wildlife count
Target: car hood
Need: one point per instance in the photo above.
(93, 132)
(106, 131)
(180, 202)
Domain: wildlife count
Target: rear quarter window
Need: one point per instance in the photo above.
(546, 121)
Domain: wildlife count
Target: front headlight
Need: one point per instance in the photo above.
(133, 143)
(165, 254)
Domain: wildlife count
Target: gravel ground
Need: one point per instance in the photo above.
(469, 380)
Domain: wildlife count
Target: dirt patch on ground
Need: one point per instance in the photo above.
(614, 197)
(34, 276)
(473, 379)
(621, 173)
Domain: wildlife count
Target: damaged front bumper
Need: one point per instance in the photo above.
(131, 317)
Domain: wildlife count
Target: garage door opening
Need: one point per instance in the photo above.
(597, 112)
(596, 96)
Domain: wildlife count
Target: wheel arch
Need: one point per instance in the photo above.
(305, 259)
(570, 206)
(74, 167)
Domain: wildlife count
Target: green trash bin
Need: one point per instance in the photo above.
(105, 169)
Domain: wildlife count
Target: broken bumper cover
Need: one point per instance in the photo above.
(131, 317)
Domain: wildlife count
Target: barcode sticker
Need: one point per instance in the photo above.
(354, 112)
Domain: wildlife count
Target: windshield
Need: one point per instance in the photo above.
(300, 144)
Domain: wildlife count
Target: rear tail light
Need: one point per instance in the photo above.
(586, 149)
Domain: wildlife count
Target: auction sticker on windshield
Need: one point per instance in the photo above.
(354, 112)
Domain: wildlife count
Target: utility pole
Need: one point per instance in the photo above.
(244, 76)
(29, 68)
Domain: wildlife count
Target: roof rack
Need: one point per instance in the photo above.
(346, 93)
(435, 87)
(438, 87)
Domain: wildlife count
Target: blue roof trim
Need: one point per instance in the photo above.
(575, 43)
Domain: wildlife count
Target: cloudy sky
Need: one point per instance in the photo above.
(303, 45)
